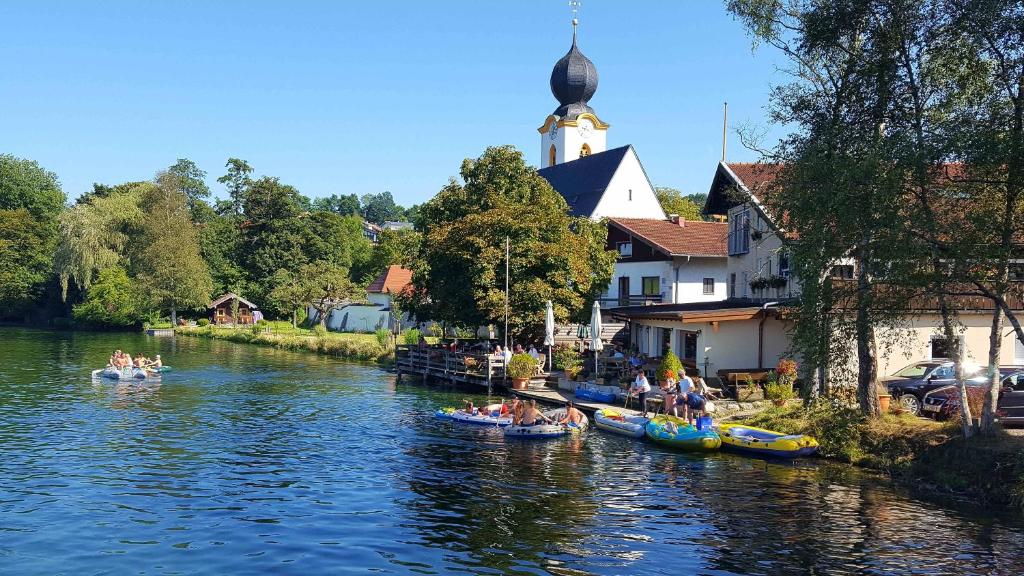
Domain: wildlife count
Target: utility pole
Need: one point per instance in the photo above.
(507, 252)
(725, 124)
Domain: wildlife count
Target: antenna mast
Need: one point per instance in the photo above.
(725, 124)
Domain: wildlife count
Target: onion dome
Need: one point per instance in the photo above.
(573, 82)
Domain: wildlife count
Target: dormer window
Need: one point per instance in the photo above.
(625, 249)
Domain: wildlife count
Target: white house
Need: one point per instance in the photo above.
(747, 331)
(666, 261)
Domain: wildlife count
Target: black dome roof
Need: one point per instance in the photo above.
(573, 82)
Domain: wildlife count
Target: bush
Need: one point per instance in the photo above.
(563, 356)
(320, 331)
(411, 337)
(383, 336)
(203, 322)
(778, 388)
(521, 366)
(670, 364)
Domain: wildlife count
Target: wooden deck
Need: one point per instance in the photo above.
(560, 397)
(485, 370)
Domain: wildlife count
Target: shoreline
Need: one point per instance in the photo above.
(349, 346)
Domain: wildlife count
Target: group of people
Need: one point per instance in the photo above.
(122, 360)
(527, 414)
(678, 391)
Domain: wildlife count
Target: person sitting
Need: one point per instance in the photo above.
(140, 361)
(685, 387)
(573, 417)
(519, 349)
(156, 362)
(507, 354)
(635, 361)
(497, 350)
(533, 352)
(531, 415)
(618, 353)
(469, 407)
(518, 411)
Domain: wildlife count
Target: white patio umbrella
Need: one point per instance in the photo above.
(595, 332)
(549, 330)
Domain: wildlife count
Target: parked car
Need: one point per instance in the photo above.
(909, 385)
(944, 402)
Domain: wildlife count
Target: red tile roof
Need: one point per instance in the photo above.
(393, 280)
(689, 237)
(756, 177)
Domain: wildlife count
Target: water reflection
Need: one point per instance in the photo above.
(257, 460)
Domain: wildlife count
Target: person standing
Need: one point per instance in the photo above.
(685, 387)
(640, 389)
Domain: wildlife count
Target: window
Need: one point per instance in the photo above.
(842, 271)
(630, 194)
(940, 348)
(732, 285)
(944, 372)
(689, 346)
(783, 264)
(709, 286)
(585, 151)
(625, 249)
(551, 155)
(1016, 271)
(651, 286)
(739, 233)
(1018, 351)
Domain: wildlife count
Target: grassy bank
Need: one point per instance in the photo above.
(925, 455)
(281, 335)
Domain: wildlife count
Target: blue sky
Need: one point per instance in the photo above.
(359, 97)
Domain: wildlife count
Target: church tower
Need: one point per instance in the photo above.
(573, 130)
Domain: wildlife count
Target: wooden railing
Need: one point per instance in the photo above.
(478, 368)
(631, 300)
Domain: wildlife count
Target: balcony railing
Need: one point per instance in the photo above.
(631, 300)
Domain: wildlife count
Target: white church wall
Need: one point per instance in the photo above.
(629, 194)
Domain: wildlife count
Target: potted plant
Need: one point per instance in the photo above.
(883, 402)
(520, 369)
(670, 365)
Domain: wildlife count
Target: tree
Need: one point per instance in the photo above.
(191, 181)
(459, 271)
(170, 265)
(220, 243)
(97, 234)
(30, 203)
(345, 205)
(393, 247)
(111, 300)
(321, 285)
(673, 202)
(380, 208)
(236, 180)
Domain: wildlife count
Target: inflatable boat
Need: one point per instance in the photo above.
(489, 415)
(752, 440)
(681, 435)
(123, 373)
(612, 420)
(547, 430)
(604, 394)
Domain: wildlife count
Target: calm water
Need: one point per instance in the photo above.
(246, 460)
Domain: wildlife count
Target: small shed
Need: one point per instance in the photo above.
(222, 310)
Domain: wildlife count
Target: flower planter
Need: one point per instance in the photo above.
(883, 402)
(519, 383)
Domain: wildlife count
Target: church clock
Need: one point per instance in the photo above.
(585, 128)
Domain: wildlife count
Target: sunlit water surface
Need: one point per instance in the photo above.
(247, 460)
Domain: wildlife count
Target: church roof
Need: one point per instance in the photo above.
(573, 82)
(682, 238)
(393, 280)
(583, 182)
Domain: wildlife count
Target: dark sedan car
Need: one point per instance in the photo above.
(909, 385)
(945, 402)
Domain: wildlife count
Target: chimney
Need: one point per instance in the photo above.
(676, 219)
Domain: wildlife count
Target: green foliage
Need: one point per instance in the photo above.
(673, 202)
(393, 247)
(191, 181)
(670, 363)
(777, 389)
(353, 346)
(237, 181)
(459, 272)
(563, 356)
(321, 285)
(30, 203)
(383, 336)
(97, 234)
(203, 322)
(345, 205)
(170, 267)
(380, 208)
(320, 330)
(411, 337)
(111, 301)
(521, 366)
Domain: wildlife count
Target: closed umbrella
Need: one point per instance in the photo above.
(595, 332)
(549, 330)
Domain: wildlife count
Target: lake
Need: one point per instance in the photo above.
(248, 460)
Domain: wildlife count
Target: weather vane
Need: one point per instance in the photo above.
(575, 6)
